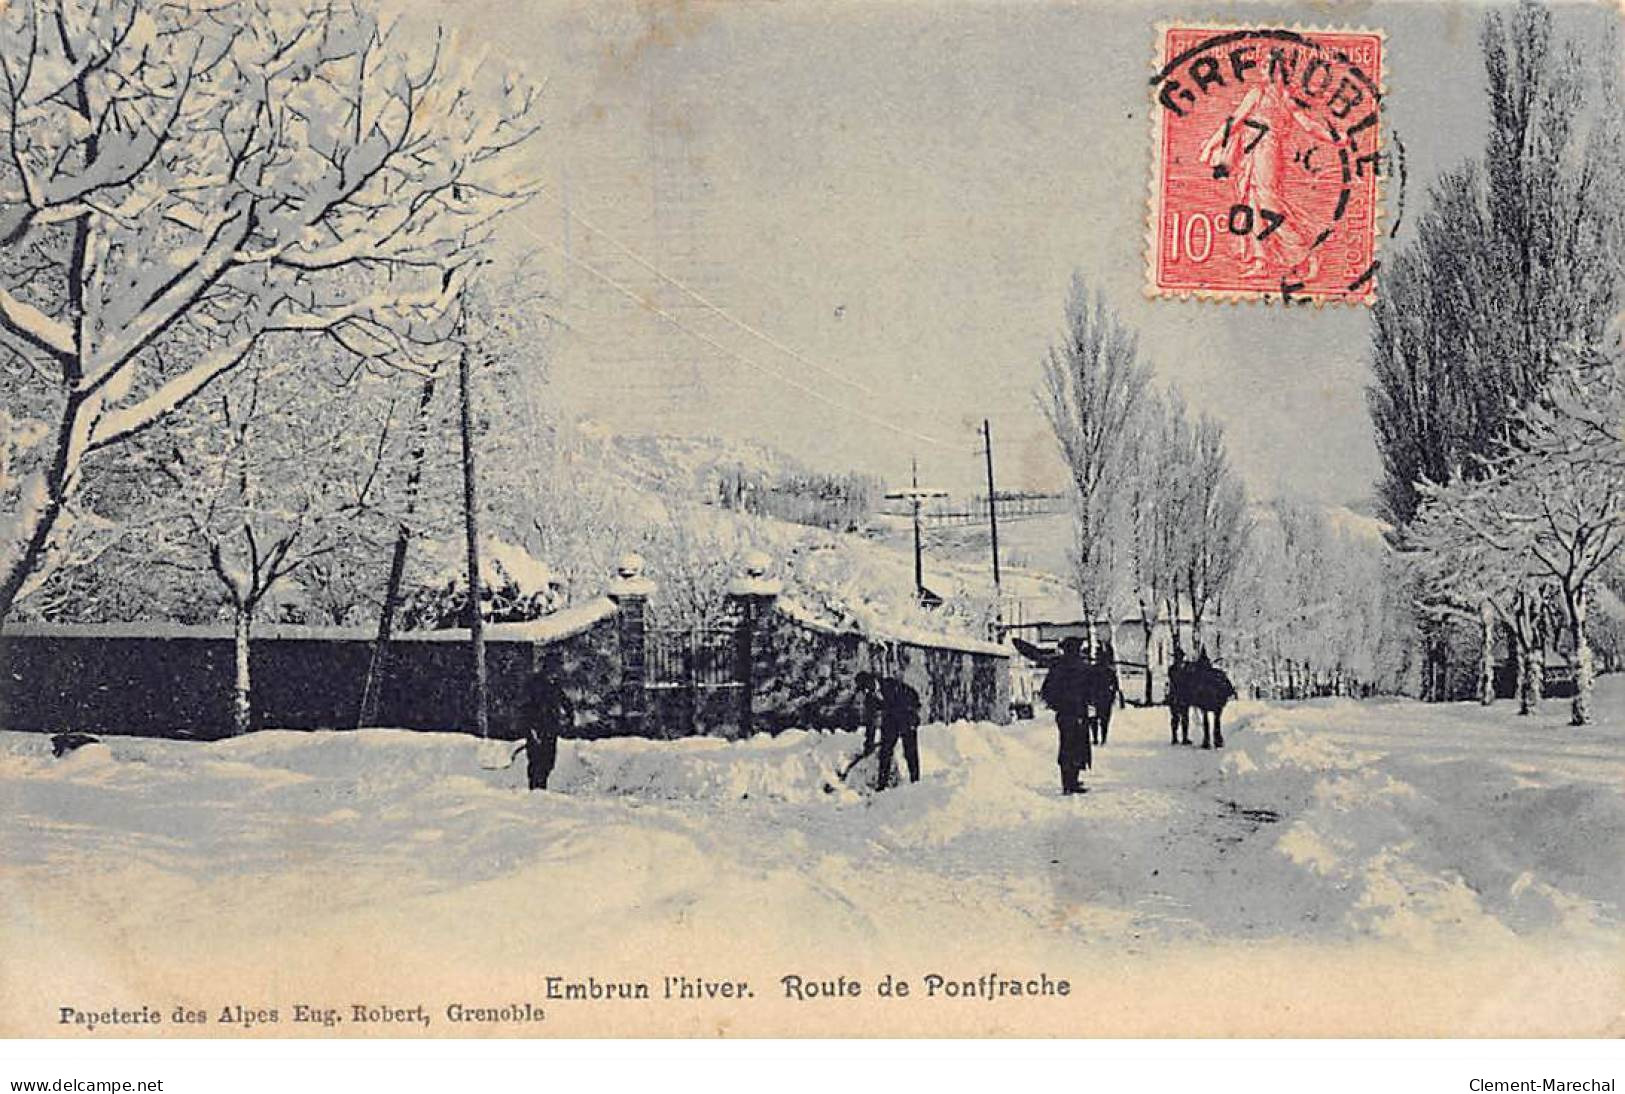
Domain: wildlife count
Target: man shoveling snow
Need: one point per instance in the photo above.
(546, 713)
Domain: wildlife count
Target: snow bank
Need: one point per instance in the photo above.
(795, 766)
(980, 776)
(1422, 850)
(1323, 823)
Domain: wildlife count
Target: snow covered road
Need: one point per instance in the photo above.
(1331, 839)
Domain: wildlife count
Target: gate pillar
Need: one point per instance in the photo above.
(631, 589)
(752, 594)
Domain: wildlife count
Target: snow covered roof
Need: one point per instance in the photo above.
(810, 619)
(919, 636)
(557, 625)
(499, 559)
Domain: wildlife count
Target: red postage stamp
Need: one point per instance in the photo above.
(1266, 164)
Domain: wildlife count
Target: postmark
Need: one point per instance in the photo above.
(1266, 164)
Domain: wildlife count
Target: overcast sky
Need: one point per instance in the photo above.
(900, 193)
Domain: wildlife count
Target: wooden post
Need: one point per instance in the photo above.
(992, 516)
(476, 625)
(377, 664)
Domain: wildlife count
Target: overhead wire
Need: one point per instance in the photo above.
(750, 362)
(704, 301)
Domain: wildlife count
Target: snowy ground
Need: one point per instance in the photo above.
(1342, 867)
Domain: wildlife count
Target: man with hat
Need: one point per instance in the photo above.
(1066, 691)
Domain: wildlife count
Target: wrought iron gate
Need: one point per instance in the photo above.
(693, 679)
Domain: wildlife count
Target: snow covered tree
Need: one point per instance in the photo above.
(1466, 575)
(279, 467)
(1186, 519)
(580, 516)
(1464, 335)
(1154, 500)
(1550, 505)
(1566, 478)
(1216, 509)
(182, 177)
(1094, 382)
(693, 555)
(1316, 607)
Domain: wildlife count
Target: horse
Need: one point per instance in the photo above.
(1201, 685)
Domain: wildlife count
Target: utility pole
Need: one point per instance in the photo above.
(992, 510)
(919, 571)
(476, 626)
(917, 496)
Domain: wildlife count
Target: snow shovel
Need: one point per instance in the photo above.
(511, 758)
(856, 760)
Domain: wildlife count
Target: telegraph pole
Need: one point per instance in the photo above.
(917, 496)
(476, 625)
(992, 508)
(919, 570)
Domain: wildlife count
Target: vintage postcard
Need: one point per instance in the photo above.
(592, 518)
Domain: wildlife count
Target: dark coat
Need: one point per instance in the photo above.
(547, 710)
(1066, 687)
(899, 706)
(1100, 686)
(899, 722)
(867, 708)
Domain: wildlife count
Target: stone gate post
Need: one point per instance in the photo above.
(752, 595)
(631, 589)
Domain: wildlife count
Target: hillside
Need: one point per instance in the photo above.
(661, 495)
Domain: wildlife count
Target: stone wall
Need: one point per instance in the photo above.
(788, 669)
(803, 669)
(157, 680)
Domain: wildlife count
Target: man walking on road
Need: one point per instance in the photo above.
(1066, 692)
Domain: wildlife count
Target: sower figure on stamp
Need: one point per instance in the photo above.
(546, 712)
(1251, 149)
(899, 721)
(1065, 691)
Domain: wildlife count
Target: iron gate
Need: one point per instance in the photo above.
(694, 679)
